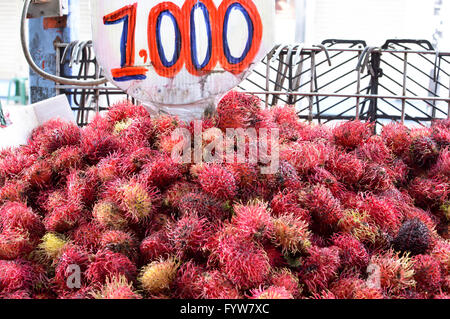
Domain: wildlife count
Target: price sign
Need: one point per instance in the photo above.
(181, 52)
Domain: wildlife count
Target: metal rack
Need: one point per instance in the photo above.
(403, 80)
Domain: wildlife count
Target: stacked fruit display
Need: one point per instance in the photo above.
(106, 212)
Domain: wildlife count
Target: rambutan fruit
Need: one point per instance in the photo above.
(155, 246)
(161, 171)
(291, 234)
(218, 182)
(286, 177)
(54, 135)
(82, 293)
(15, 243)
(133, 161)
(136, 132)
(287, 120)
(215, 285)
(12, 164)
(16, 275)
(427, 273)
(237, 110)
(276, 257)
(429, 192)
(158, 276)
(117, 288)
(359, 225)
(187, 282)
(325, 209)
(375, 151)
(125, 110)
(320, 267)
(413, 237)
(288, 202)
(109, 168)
(352, 251)
(441, 253)
(423, 152)
(346, 287)
(246, 175)
(52, 245)
(97, 144)
(346, 167)
(88, 235)
(351, 134)
(188, 234)
(287, 279)
(243, 262)
(305, 156)
(441, 133)
(39, 174)
(108, 215)
(253, 221)
(14, 215)
(442, 166)
(64, 218)
(70, 255)
(376, 178)
(66, 158)
(134, 197)
(397, 138)
(203, 205)
(165, 124)
(14, 191)
(272, 292)
(107, 264)
(16, 295)
(369, 293)
(82, 186)
(119, 242)
(321, 176)
(395, 273)
(382, 212)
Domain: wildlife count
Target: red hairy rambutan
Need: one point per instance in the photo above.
(347, 287)
(346, 167)
(39, 174)
(88, 235)
(14, 215)
(352, 251)
(125, 110)
(427, 273)
(441, 252)
(161, 171)
(272, 292)
(442, 166)
(276, 257)
(15, 243)
(321, 176)
(82, 186)
(187, 282)
(107, 264)
(382, 212)
(395, 273)
(375, 150)
(97, 144)
(429, 192)
(16, 275)
(215, 285)
(423, 152)
(155, 246)
(14, 191)
(376, 178)
(320, 267)
(65, 158)
(287, 177)
(291, 234)
(287, 279)
(109, 168)
(397, 138)
(165, 124)
(218, 182)
(287, 120)
(305, 156)
(253, 221)
(64, 217)
(325, 209)
(136, 132)
(12, 163)
(288, 202)
(237, 110)
(188, 234)
(133, 161)
(119, 242)
(413, 237)
(243, 262)
(352, 134)
(54, 135)
(203, 205)
(71, 256)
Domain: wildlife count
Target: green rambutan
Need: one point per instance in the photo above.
(52, 245)
(108, 215)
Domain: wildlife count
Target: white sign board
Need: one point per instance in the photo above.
(181, 55)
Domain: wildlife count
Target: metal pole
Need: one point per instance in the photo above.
(405, 69)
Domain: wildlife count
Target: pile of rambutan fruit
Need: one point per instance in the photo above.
(105, 212)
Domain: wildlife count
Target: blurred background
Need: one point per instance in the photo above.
(309, 21)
